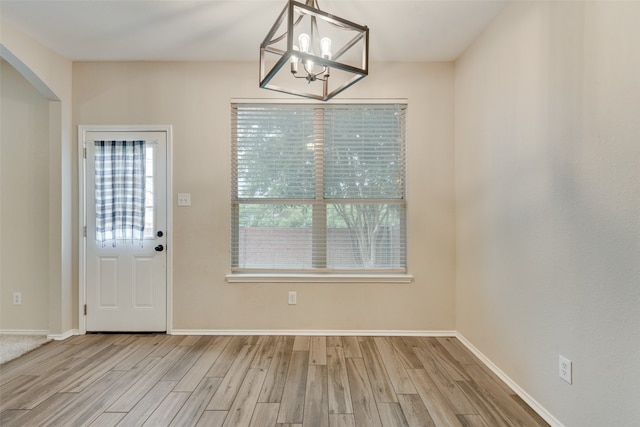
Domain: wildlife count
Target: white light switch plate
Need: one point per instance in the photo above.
(184, 199)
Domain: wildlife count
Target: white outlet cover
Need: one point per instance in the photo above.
(184, 199)
(565, 369)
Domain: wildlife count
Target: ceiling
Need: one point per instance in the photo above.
(232, 30)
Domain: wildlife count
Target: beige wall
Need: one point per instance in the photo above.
(51, 75)
(24, 194)
(548, 200)
(195, 99)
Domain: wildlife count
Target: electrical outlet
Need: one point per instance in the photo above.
(17, 298)
(293, 298)
(565, 369)
(184, 199)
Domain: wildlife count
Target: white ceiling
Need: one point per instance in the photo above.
(232, 30)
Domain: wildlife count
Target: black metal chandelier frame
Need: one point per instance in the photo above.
(294, 12)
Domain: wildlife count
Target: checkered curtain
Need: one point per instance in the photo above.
(120, 190)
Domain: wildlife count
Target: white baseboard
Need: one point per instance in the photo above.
(307, 332)
(22, 332)
(537, 407)
(63, 336)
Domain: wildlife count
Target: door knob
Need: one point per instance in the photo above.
(159, 248)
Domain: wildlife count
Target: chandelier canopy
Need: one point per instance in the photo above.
(313, 54)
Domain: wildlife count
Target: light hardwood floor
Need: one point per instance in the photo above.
(161, 380)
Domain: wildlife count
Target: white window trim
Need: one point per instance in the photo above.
(318, 278)
(383, 278)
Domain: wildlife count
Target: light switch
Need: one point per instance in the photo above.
(184, 199)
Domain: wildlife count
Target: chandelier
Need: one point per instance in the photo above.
(313, 54)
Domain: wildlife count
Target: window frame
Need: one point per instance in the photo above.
(315, 275)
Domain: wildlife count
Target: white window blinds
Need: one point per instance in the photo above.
(318, 187)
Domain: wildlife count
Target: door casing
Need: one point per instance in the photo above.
(82, 249)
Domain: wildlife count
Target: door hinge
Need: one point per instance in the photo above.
(84, 152)
(85, 309)
(84, 231)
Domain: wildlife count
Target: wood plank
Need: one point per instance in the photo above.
(457, 350)
(334, 341)
(342, 420)
(212, 419)
(391, 415)
(223, 363)
(414, 342)
(10, 415)
(471, 420)
(406, 354)
(316, 402)
(338, 382)
(39, 415)
(101, 342)
(148, 404)
(246, 399)
(292, 405)
(196, 350)
(434, 367)
(197, 372)
(92, 369)
(380, 383)
(89, 404)
(437, 405)
(454, 368)
(351, 347)
(53, 363)
(165, 345)
(489, 409)
(191, 340)
(364, 406)
(493, 392)
(539, 420)
(197, 402)
(265, 415)
(143, 348)
(168, 409)
(133, 395)
(31, 394)
(318, 351)
(231, 382)
(266, 350)
(301, 343)
(14, 388)
(415, 411)
(108, 419)
(42, 356)
(277, 374)
(397, 373)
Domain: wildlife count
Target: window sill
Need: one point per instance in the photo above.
(318, 278)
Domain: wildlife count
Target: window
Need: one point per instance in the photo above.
(318, 188)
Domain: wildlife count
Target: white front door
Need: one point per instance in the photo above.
(126, 279)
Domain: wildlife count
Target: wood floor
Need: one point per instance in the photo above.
(161, 380)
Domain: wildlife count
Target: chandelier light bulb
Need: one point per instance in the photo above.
(309, 66)
(303, 41)
(325, 45)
